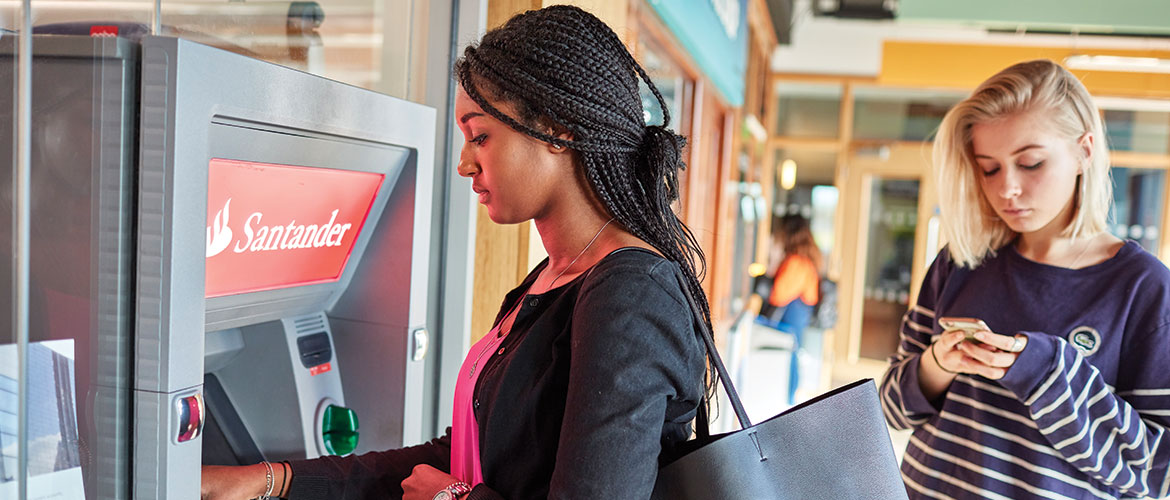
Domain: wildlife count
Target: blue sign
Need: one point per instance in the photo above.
(715, 33)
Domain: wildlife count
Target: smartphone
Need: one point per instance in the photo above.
(967, 325)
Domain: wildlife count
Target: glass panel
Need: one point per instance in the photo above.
(339, 39)
(813, 167)
(10, 404)
(808, 110)
(1138, 199)
(366, 43)
(749, 208)
(130, 18)
(818, 204)
(893, 218)
(899, 114)
(83, 132)
(1138, 131)
(824, 212)
(669, 80)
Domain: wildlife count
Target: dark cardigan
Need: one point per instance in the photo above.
(597, 379)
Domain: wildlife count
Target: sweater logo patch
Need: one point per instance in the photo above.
(1085, 339)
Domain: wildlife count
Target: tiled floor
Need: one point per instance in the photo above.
(762, 373)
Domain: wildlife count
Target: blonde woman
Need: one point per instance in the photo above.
(1063, 391)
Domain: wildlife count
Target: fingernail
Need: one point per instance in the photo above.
(980, 336)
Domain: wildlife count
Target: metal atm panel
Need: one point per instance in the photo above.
(200, 104)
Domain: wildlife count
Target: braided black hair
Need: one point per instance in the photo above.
(564, 69)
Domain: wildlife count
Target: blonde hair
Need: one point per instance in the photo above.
(969, 224)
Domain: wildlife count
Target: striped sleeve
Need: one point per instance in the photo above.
(1115, 437)
(904, 404)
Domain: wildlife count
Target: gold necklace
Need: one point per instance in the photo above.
(501, 334)
(574, 261)
(1084, 249)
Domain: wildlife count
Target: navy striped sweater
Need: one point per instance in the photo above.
(1083, 412)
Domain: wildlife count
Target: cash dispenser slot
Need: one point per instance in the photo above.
(225, 439)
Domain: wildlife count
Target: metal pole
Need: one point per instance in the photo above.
(22, 207)
(156, 18)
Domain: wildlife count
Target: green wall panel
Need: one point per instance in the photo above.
(1120, 16)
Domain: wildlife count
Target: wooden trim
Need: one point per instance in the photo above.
(760, 22)
(696, 155)
(500, 11)
(775, 78)
(1164, 240)
(857, 144)
(1139, 160)
(725, 219)
(861, 185)
(805, 143)
(841, 177)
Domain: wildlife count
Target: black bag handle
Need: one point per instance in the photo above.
(702, 427)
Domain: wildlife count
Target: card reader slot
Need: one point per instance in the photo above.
(314, 349)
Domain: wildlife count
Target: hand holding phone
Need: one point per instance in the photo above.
(967, 325)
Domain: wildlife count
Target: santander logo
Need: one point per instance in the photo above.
(219, 235)
(260, 238)
(273, 226)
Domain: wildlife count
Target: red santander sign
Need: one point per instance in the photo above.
(275, 226)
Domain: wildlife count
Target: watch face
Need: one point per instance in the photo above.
(444, 495)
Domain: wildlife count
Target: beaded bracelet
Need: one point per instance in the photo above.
(268, 479)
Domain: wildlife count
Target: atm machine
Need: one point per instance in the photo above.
(258, 258)
(282, 260)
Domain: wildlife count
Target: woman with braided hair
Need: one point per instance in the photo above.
(594, 368)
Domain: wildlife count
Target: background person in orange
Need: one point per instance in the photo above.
(795, 291)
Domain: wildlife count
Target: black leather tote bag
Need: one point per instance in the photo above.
(833, 447)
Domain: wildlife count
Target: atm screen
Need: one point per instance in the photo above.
(273, 226)
(289, 214)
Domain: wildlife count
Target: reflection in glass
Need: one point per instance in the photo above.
(899, 114)
(360, 42)
(10, 405)
(1138, 131)
(808, 110)
(818, 204)
(82, 138)
(1138, 199)
(824, 212)
(667, 77)
(893, 219)
(813, 167)
(749, 209)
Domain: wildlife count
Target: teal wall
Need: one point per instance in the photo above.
(1120, 16)
(718, 45)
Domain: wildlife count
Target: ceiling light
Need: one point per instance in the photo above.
(788, 174)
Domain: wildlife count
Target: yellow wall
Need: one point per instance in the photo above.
(965, 66)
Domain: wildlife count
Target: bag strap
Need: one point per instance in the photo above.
(702, 427)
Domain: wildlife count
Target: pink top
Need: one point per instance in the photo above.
(465, 464)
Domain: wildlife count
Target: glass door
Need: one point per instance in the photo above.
(889, 260)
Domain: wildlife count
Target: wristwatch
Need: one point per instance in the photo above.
(453, 492)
